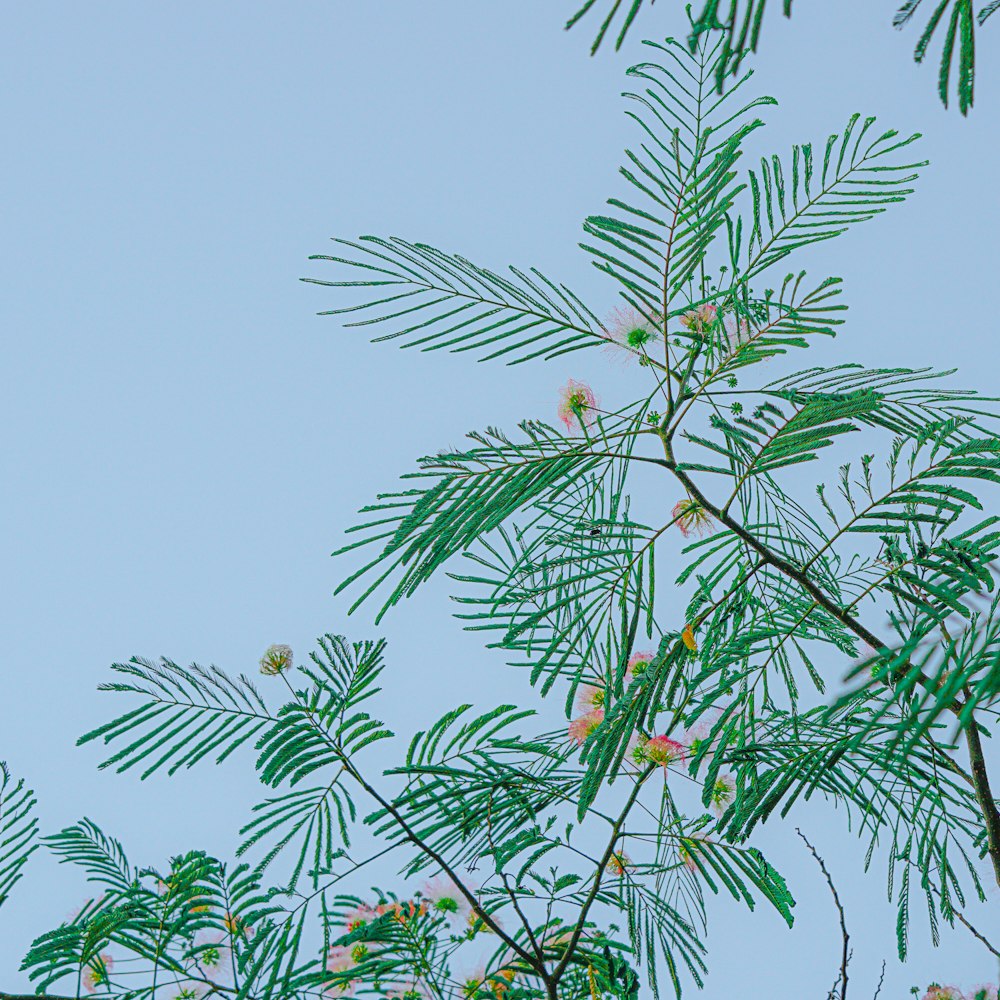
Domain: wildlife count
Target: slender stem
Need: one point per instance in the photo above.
(595, 888)
(34, 996)
(414, 838)
(984, 795)
(846, 954)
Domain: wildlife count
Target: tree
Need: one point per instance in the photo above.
(688, 724)
(741, 21)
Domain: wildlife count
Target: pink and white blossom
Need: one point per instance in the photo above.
(632, 330)
(444, 897)
(701, 319)
(722, 794)
(340, 958)
(691, 518)
(583, 725)
(589, 697)
(97, 972)
(577, 405)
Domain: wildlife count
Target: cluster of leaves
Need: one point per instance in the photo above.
(563, 576)
(477, 792)
(740, 21)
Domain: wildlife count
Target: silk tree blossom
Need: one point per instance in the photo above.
(589, 697)
(188, 989)
(583, 725)
(936, 992)
(359, 916)
(577, 405)
(277, 659)
(630, 329)
(691, 518)
(723, 793)
(737, 332)
(660, 750)
(212, 955)
(639, 663)
(697, 736)
(982, 992)
(444, 897)
(97, 972)
(339, 958)
(701, 319)
(402, 911)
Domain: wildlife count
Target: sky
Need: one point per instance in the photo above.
(185, 441)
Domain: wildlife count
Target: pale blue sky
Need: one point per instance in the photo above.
(185, 440)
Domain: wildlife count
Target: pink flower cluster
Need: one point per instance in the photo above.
(97, 972)
(439, 896)
(577, 405)
(591, 699)
(632, 330)
(700, 320)
(937, 992)
(691, 518)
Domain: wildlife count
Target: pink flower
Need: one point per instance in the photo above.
(982, 992)
(444, 897)
(723, 792)
(340, 959)
(659, 750)
(638, 663)
(589, 697)
(691, 518)
(630, 329)
(212, 955)
(577, 404)
(583, 725)
(699, 732)
(361, 914)
(935, 992)
(701, 319)
(97, 972)
(737, 332)
(188, 989)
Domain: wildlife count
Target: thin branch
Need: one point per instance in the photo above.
(881, 980)
(846, 955)
(414, 838)
(980, 777)
(592, 895)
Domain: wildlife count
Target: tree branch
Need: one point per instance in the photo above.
(980, 777)
(846, 955)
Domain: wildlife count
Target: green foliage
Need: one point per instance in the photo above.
(18, 829)
(436, 301)
(739, 23)
(563, 576)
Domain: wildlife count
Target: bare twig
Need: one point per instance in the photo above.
(846, 956)
(881, 980)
